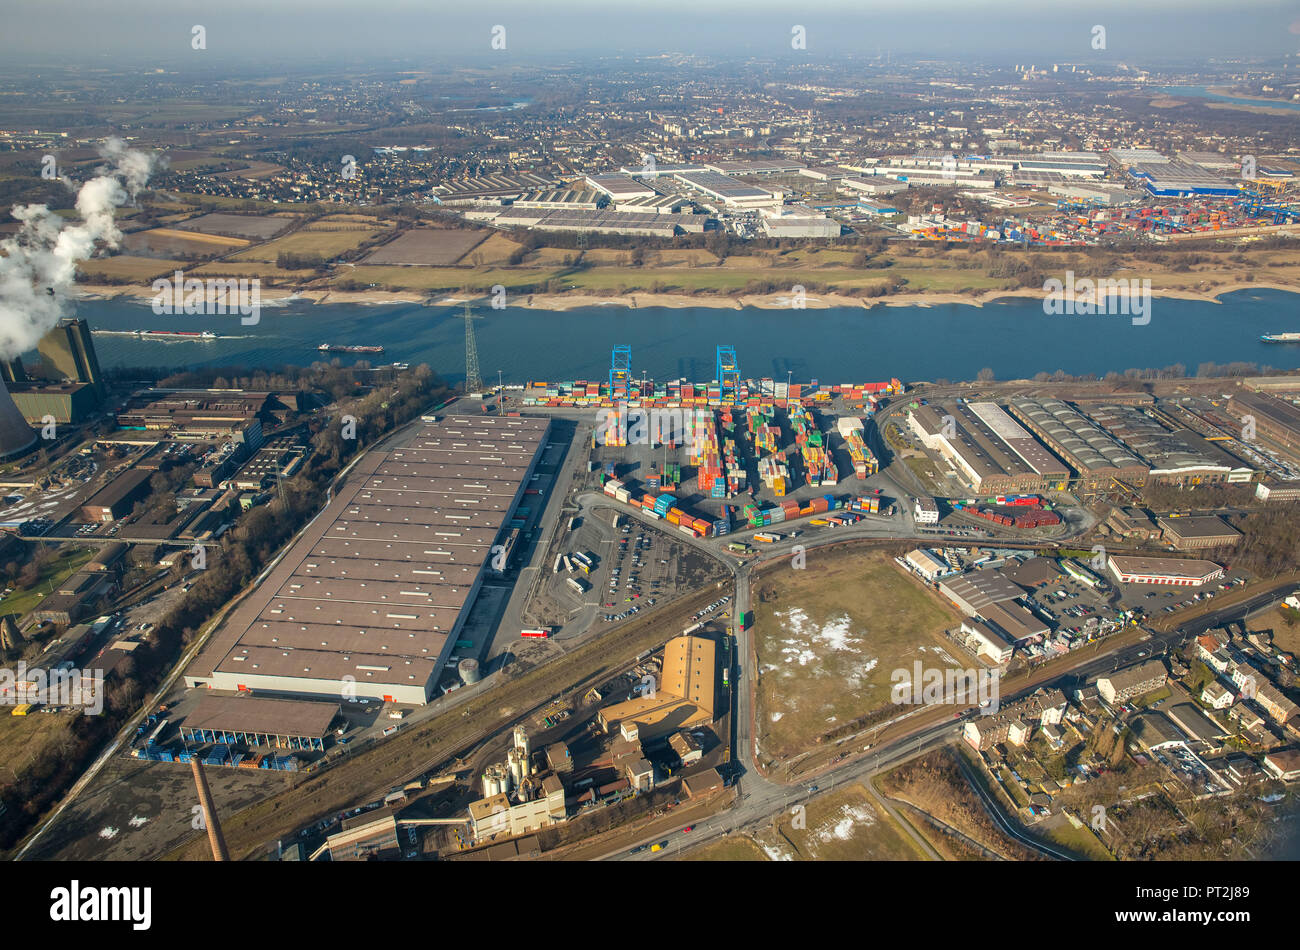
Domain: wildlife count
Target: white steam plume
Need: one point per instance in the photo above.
(40, 261)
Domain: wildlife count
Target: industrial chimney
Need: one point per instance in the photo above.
(215, 838)
(16, 436)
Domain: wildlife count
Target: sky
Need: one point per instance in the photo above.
(270, 31)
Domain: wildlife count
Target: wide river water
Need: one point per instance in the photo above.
(1014, 338)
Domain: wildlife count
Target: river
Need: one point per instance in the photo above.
(1014, 338)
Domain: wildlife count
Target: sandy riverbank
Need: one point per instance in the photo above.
(640, 301)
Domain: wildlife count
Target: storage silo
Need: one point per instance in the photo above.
(469, 671)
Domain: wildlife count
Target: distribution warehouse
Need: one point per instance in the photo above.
(370, 600)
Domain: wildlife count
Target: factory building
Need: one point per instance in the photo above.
(727, 190)
(756, 167)
(875, 185)
(798, 222)
(620, 187)
(1189, 534)
(988, 447)
(562, 199)
(1275, 419)
(370, 600)
(928, 564)
(683, 698)
(1178, 457)
(1181, 180)
(1109, 196)
(118, 497)
(647, 224)
(471, 190)
(1097, 458)
(1162, 570)
(973, 592)
(1277, 491)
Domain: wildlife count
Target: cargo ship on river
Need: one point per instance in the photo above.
(338, 348)
(1280, 338)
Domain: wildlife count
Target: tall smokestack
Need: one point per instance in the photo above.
(16, 436)
(215, 837)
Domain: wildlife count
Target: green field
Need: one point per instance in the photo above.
(829, 638)
(52, 575)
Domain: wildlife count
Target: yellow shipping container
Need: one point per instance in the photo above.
(22, 709)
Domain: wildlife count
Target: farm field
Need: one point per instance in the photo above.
(127, 267)
(497, 249)
(427, 246)
(325, 243)
(250, 226)
(263, 271)
(172, 241)
(828, 639)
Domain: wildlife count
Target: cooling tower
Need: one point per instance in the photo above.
(16, 436)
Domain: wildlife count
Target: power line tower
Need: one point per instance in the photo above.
(473, 381)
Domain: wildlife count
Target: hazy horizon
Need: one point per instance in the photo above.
(242, 31)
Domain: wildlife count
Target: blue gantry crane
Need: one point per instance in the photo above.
(728, 370)
(620, 370)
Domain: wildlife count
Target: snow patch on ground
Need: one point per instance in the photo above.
(842, 825)
(776, 716)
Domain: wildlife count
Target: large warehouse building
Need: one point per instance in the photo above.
(370, 600)
(1098, 458)
(989, 448)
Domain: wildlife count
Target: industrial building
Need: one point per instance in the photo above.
(77, 386)
(469, 190)
(253, 720)
(118, 497)
(1181, 180)
(1097, 458)
(684, 696)
(984, 639)
(756, 167)
(727, 190)
(16, 436)
(989, 448)
(928, 564)
(798, 222)
(1162, 570)
(647, 224)
(1188, 534)
(620, 187)
(567, 199)
(973, 592)
(1178, 457)
(877, 185)
(369, 601)
(1277, 491)
(1275, 419)
(517, 798)
(199, 415)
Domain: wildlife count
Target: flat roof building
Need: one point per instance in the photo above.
(255, 720)
(1187, 534)
(683, 697)
(993, 452)
(371, 598)
(976, 591)
(1162, 570)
